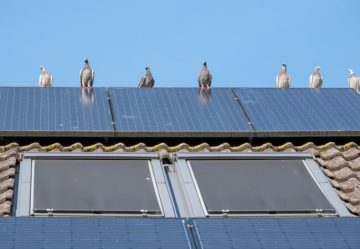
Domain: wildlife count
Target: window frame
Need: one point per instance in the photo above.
(26, 182)
(189, 193)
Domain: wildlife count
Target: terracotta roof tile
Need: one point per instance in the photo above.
(346, 186)
(355, 164)
(351, 153)
(340, 175)
(7, 184)
(338, 162)
(341, 163)
(5, 208)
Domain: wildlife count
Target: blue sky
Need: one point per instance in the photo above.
(244, 42)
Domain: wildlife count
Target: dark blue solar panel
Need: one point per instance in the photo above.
(278, 233)
(54, 109)
(177, 110)
(88, 233)
(301, 109)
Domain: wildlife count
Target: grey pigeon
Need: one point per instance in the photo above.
(283, 78)
(147, 80)
(45, 79)
(316, 79)
(354, 80)
(87, 75)
(204, 77)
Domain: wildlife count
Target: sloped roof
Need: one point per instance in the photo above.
(340, 163)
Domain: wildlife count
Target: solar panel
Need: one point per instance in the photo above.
(93, 233)
(238, 187)
(57, 109)
(100, 186)
(177, 110)
(301, 109)
(295, 233)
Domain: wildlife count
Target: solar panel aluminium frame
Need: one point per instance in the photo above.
(26, 182)
(191, 202)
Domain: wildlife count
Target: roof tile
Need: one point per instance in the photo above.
(355, 164)
(340, 175)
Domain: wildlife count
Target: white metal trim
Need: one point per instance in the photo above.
(197, 188)
(154, 182)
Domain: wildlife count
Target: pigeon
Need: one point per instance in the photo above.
(204, 77)
(316, 79)
(147, 80)
(283, 79)
(87, 75)
(354, 80)
(45, 79)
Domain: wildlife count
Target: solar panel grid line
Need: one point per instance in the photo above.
(338, 102)
(221, 123)
(311, 101)
(87, 125)
(297, 110)
(172, 121)
(34, 116)
(192, 120)
(167, 118)
(324, 114)
(146, 104)
(12, 113)
(259, 111)
(195, 120)
(238, 114)
(175, 100)
(290, 115)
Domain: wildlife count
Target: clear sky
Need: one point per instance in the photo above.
(244, 42)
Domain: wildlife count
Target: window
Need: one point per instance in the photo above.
(255, 184)
(103, 183)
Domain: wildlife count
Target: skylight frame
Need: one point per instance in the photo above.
(26, 183)
(190, 193)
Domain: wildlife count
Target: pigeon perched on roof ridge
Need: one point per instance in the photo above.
(283, 79)
(354, 80)
(205, 77)
(87, 75)
(45, 79)
(147, 80)
(316, 79)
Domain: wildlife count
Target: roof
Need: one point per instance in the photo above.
(339, 162)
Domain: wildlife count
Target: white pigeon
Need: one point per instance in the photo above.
(316, 79)
(87, 75)
(45, 79)
(283, 79)
(354, 80)
(205, 77)
(147, 80)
